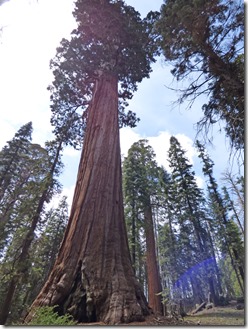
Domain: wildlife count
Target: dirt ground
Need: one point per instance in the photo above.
(217, 316)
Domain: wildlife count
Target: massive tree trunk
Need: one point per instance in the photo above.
(93, 278)
(153, 278)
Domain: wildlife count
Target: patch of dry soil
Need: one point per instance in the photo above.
(219, 316)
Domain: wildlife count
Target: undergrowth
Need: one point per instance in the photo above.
(46, 315)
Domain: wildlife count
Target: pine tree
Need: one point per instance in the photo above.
(12, 178)
(225, 225)
(42, 255)
(51, 237)
(192, 220)
(236, 187)
(44, 249)
(34, 187)
(92, 277)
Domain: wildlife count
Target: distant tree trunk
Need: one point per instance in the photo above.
(237, 218)
(203, 250)
(154, 283)
(21, 269)
(222, 219)
(214, 297)
(240, 268)
(21, 266)
(8, 299)
(197, 291)
(93, 278)
(216, 267)
(133, 239)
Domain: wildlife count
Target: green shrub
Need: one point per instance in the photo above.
(46, 315)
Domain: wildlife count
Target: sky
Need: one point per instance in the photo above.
(30, 31)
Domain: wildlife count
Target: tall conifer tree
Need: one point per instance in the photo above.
(31, 173)
(141, 175)
(92, 278)
(226, 228)
(192, 219)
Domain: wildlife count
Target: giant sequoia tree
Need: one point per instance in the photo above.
(92, 278)
(140, 186)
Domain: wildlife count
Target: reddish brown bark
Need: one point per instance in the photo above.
(153, 278)
(92, 278)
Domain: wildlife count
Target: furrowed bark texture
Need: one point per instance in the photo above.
(92, 278)
(153, 277)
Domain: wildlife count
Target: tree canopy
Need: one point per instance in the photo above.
(204, 41)
(110, 37)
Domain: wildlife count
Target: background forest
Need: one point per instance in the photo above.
(185, 242)
(196, 236)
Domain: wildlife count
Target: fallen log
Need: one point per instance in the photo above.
(199, 308)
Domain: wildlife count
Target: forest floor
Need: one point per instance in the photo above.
(216, 316)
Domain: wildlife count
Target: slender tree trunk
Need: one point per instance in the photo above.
(204, 251)
(8, 299)
(229, 179)
(20, 268)
(237, 218)
(236, 271)
(216, 268)
(133, 239)
(214, 297)
(240, 267)
(21, 263)
(154, 283)
(197, 291)
(223, 221)
(93, 278)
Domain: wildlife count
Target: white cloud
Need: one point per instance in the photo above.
(200, 182)
(159, 143)
(187, 145)
(127, 137)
